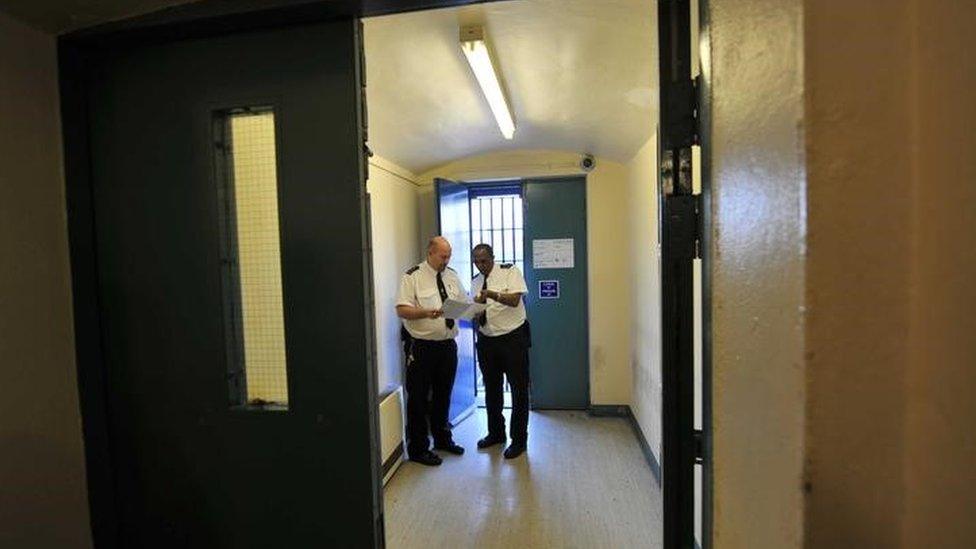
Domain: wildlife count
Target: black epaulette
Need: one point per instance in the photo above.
(506, 265)
(452, 270)
(413, 269)
(476, 275)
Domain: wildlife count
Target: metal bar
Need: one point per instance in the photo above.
(678, 247)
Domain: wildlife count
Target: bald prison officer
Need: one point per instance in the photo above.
(431, 352)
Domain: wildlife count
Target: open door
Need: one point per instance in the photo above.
(556, 275)
(454, 223)
(225, 354)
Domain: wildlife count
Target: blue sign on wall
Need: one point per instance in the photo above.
(548, 289)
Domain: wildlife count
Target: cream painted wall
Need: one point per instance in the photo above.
(607, 249)
(43, 496)
(892, 253)
(645, 287)
(940, 482)
(758, 190)
(859, 269)
(394, 221)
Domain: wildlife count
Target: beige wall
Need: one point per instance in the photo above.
(859, 150)
(394, 221)
(43, 498)
(757, 271)
(607, 245)
(940, 482)
(892, 251)
(645, 288)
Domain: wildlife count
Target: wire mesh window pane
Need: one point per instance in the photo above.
(254, 311)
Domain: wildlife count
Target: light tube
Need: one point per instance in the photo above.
(478, 56)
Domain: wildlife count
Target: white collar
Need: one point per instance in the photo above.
(429, 269)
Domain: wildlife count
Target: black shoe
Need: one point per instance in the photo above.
(514, 450)
(426, 458)
(450, 447)
(490, 441)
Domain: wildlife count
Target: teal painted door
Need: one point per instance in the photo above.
(454, 223)
(555, 212)
(191, 469)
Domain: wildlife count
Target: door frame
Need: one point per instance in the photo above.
(520, 181)
(213, 18)
(76, 50)
(685, 119)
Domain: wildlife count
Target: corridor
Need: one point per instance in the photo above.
(583, 484)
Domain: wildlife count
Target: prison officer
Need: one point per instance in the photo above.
(503, 347)
(430, 350)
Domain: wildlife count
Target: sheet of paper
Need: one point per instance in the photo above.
(552, 253)
(462, 310)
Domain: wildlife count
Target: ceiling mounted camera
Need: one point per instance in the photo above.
(587, 162)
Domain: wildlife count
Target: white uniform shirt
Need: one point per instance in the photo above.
(502, 319)
(418, 288)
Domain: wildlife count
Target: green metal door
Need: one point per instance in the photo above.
(556, 305)
(190, 467)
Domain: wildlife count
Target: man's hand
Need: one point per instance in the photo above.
(512, 300)
(410, 312)
(481, 297)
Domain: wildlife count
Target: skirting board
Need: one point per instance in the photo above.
(392, 463)
(624, 411)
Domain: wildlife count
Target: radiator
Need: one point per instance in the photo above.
(391, 431)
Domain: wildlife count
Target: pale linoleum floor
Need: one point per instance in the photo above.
(582, 484)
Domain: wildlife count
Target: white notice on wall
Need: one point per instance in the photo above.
(552, 253)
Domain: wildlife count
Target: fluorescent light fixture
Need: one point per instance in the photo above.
(475, 49)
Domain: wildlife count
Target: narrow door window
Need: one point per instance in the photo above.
(251, 257)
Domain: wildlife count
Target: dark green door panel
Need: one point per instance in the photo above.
(559, 359)
(189, 471)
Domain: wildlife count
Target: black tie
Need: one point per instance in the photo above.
(484, 316)
(443, 291)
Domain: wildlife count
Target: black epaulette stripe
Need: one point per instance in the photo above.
(413, 269)
(451, 269)
(506, 265)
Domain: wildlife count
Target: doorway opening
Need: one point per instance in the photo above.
(579, 77)
(566, 61)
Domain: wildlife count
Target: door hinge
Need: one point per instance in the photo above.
(699, 439)
(699, 225)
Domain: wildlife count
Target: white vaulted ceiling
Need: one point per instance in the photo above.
(581, 75)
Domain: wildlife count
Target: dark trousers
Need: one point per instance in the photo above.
(429, 381)
(506, 355)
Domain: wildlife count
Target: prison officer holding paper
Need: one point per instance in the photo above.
(431, 351)
(503, 347)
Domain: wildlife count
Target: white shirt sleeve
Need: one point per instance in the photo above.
(516, 282)
(407, 295)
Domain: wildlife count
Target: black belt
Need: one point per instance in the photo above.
(434, 342)
(521, 332)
